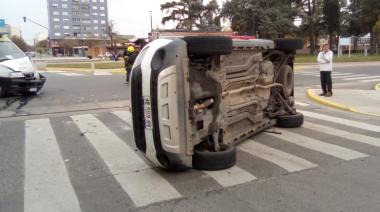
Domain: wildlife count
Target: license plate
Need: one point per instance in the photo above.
(147, 113)
(33, 89)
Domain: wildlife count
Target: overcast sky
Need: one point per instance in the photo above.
(130, 16)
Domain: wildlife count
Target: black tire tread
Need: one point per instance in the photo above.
(214, 160)
(290, 121)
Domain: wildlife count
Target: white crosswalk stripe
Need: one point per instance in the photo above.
(303, 104)
(340, 74)
(102, 73)
(346, 122)
(71, 74)
(142, 184)
(349, 76)
(47, 183)
(371, 80)
(287, 161)
(319, 146)
(232, 176)
(362, 78)
(126, 116)
(343, 134)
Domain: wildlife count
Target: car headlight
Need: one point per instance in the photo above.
(16, 74)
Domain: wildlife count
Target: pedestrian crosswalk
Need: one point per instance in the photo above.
(83, 74)
(48, 180)
(344, 76)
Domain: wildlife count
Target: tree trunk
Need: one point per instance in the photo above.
(311, 28)
(372, 49)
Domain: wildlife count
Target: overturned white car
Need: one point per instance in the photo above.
(194, 98)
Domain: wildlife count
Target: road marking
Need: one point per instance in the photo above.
(350, 123)
(142, 184)
(47, 183)
(319, 146)
(102, 73)
(371, 80)
(71, 74)
(232, 176)
(287, 161)
(348, 76)
(340, 74)
(126, 116)
(343, 134)
(301, 104)
(362, 78)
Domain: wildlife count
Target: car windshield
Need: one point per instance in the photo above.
(9, 51)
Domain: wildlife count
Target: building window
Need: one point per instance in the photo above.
(76, 34)
(96, 21)
(103, 22)
(102, 14)
(55, 12)
(93, 0)
(95, 14)
(67, 34)
(101, 1)
(96, 27)
(101, 8)
(94, 7)
(65, 13)
(56, 27)
(96, 35)
(86, 14)
(76, 27)
(65, 20)
(56, 19)
(84, 1)
(64, 6)
(57, 34)
(86, 21)
(66, 27)
(55, 6)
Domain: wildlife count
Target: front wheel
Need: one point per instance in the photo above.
(206, 160)
(290, 121)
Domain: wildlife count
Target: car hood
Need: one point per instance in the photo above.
(22, 64)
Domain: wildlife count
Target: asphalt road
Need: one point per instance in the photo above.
(58, 161)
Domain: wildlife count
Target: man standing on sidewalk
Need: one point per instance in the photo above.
(325, 60)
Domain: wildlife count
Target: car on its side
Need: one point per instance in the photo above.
(17, 75)
(194, 98)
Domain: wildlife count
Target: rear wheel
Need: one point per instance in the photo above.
(286, 77)
(208, 45)
(206, 160)
(290, 121)
(288, 44)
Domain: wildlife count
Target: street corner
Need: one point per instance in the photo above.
(357, 101)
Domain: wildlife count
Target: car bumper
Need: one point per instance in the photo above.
(22, 85)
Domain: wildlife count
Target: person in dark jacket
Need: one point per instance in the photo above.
(129, 58)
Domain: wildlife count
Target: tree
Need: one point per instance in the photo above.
(331, 16)
(112, 35)
(369, 15)
(67, 45)
(20, 43)
(268, 18)
(192, 14)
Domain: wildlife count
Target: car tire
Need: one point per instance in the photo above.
(288, 44)
(286, 77)
(208, 45)
(205, 160)
(2, 92)
(290, 121)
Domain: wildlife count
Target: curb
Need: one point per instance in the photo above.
(377, 87)
(335, 105)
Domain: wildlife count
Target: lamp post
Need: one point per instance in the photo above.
(151, 23)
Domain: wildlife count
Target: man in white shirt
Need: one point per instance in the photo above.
(325, 59)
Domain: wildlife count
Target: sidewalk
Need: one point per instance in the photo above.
(358, 101)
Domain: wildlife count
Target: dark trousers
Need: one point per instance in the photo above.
(128, 72)
(326, 81)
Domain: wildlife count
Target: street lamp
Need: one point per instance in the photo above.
(151, 23)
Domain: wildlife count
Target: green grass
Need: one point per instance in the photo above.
(100, 65)
(344, 58)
